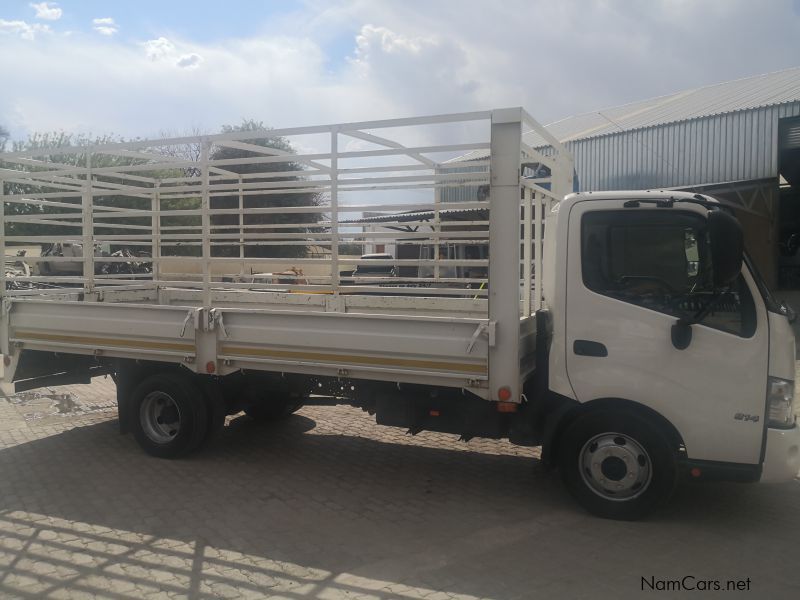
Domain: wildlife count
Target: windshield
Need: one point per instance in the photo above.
(661, 260)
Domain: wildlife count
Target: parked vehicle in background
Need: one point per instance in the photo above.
(18, 268)
(370, 268)
(66, 258)
(68, 249)
(627, 333)
(382, 269)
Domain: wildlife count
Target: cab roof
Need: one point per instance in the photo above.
(641, 194)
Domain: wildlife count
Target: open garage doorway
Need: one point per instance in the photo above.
(789, 203)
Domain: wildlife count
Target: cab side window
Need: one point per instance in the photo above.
(659, 259)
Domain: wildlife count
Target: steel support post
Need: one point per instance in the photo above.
(3, 236)
(538, 236)
(87, 210)
(335, 211)
(526, 252)
(4, 345)
(437, 228)
(156, 225)
(504, 254)
(241, 227)
(205, 148)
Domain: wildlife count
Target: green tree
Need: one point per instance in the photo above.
(57, 140)
(54, 141)
(305, 221)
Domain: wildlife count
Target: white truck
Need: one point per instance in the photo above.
(624, 332)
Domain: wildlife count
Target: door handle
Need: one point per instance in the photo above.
(589, 348)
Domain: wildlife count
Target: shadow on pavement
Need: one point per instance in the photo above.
(287, 509)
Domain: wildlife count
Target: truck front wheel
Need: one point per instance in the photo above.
(617, 465)
(170, 416)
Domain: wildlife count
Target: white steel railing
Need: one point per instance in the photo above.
(242, 212)
(549, 179)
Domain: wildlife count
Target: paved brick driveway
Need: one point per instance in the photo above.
(328, 505)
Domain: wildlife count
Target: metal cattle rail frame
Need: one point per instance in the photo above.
(208, 215)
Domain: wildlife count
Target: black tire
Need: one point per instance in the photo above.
(169, 415)
(273, 409)
(617, 465)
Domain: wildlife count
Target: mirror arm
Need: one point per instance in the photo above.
(681, 331)
(703, 312)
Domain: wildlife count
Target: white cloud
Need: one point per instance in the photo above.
(105, 26)
(189, 61)
(158, 48)
(48, 11)
(27, 31)
(555, 59)
(164, 51)
(408, 68)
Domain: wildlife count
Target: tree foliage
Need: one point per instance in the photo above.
(189, 152)
(52, 142)
(305, 221)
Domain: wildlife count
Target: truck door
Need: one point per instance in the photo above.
(631, 272)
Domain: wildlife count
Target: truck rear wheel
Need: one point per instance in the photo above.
(617, 465)
(171, 417)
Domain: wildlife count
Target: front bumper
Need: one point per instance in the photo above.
(782, 458)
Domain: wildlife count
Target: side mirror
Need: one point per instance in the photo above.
(681, 334)
(726, 244)
(727, 247)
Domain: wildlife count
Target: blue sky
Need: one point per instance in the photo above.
(152, 18)
(145, 67)
(201, 21)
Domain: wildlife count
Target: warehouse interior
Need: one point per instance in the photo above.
(789, 203)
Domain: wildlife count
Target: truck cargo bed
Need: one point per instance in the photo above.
(365, 257)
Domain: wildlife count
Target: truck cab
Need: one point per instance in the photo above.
(660, 334)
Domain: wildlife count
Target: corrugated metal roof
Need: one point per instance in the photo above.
(770, 89)
(724, 148)
(742, 94)
(734, 146)
(445, 214)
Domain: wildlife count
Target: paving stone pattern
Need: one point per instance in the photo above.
(328, 505)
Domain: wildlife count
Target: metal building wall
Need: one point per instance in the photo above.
(738, 146)
(733, 146)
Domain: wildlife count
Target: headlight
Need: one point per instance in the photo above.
(780, 403)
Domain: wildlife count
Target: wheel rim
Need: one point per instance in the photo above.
(615, 466)
(160, 417)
